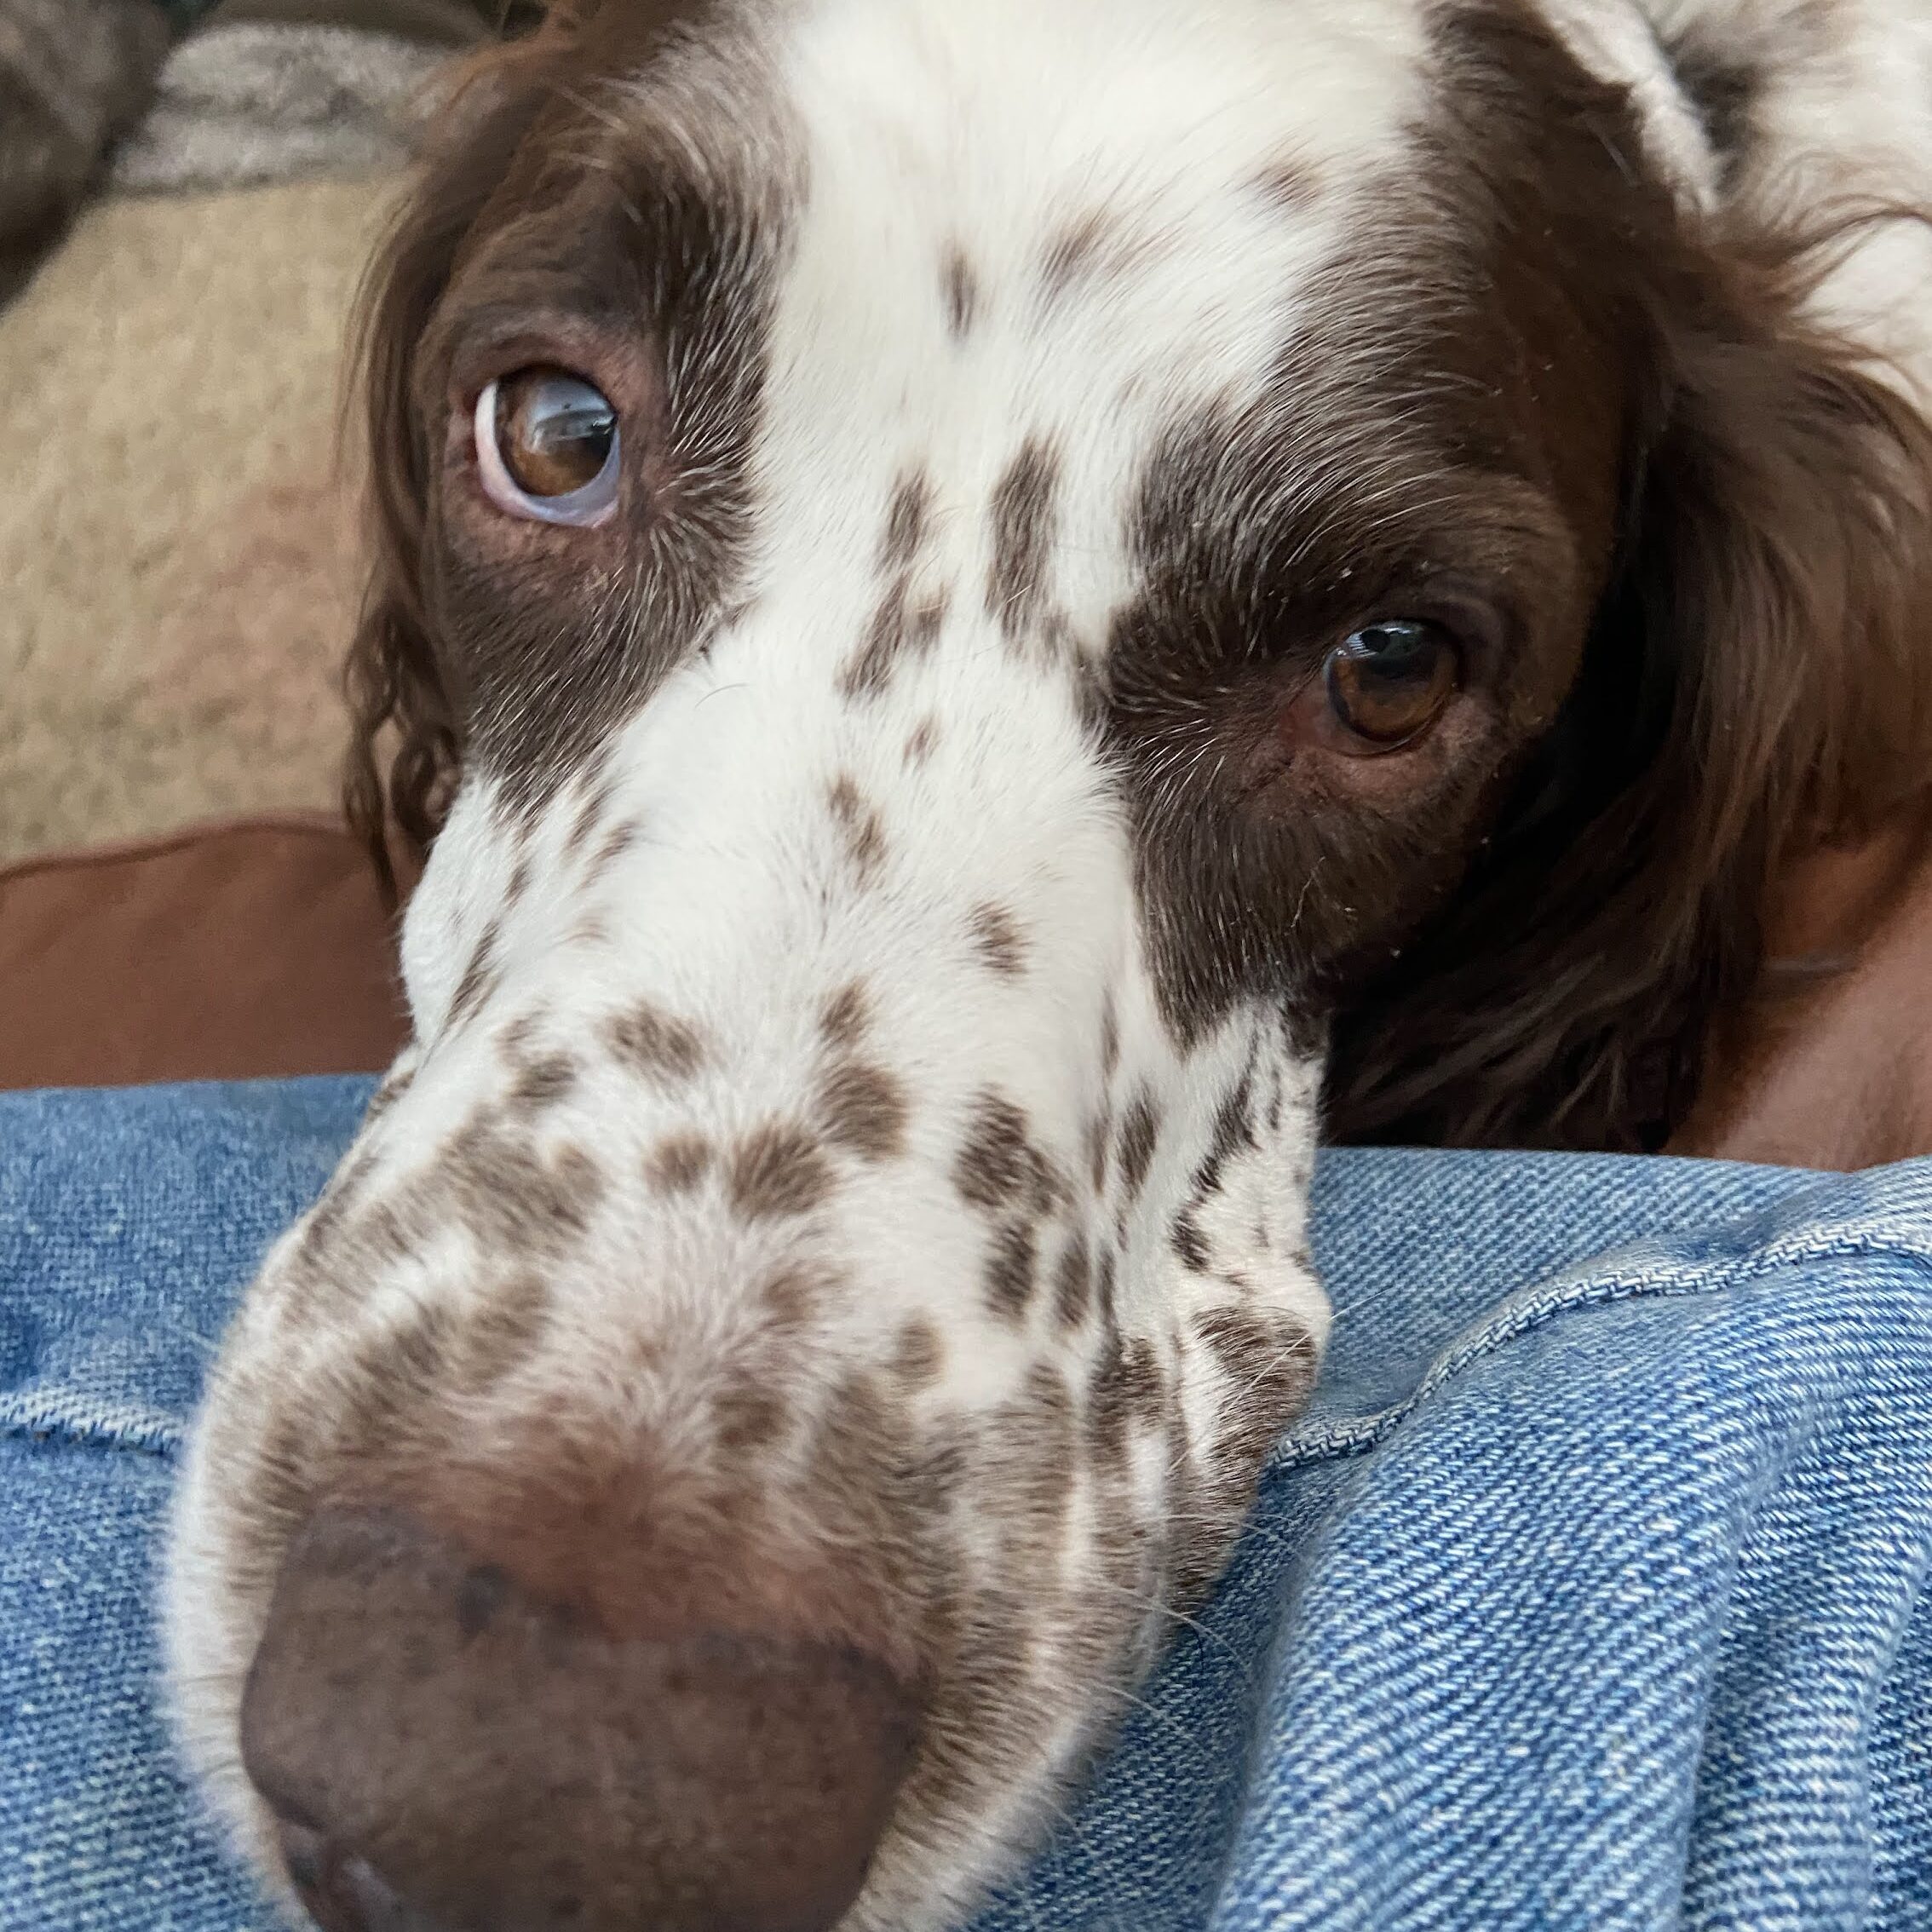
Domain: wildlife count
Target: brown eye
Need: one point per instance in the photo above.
(1388, 682)
(547, 446)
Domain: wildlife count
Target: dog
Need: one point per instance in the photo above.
(998, 615)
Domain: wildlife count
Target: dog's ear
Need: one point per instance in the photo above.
(1759, 679)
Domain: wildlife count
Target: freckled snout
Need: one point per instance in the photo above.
(446, 1751)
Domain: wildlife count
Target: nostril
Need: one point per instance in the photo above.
(342, 1893)
(445, 1753)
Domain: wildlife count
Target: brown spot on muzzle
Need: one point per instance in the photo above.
(777, 1170)
(961, 287)
(864, 1110)
(845, 1016)
(678, 1163)
(649, 1041)
(906, 521)
(442, 1745)
(999, 939)
(859, 825)
(1022, 537)
(999, 1167)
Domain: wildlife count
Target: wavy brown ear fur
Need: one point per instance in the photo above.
(1760, 678)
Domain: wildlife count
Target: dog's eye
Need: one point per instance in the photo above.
(1388, 682)
(547, 446)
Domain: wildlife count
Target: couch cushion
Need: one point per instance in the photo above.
(251, 948)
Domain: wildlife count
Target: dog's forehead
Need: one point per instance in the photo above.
(1020, 242)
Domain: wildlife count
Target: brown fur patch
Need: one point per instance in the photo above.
(920, 744)
(1012, 1267)
(747, 1417)
(791, 1297)
(999, 1166)
(544, 1080)
(777, 1170)
(1140, 1128)
(1022, 539)
(1290, 184)
(679, 1163)
(899, 628)
(920, 1354)
(863, 1108)
(905, 522)
(1098, 246)
(846, 1015)
(481, 977)
(860, 826)
(1100, 1147)
(500, 1333)
(647, 1040)
(961, 288)
(997, 936)
(1073, 1284)
(392, 1089)
(619, 840)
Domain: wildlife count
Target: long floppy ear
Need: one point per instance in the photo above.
(405, 744)
(1759, 679)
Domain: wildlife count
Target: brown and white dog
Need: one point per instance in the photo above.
(960, 580)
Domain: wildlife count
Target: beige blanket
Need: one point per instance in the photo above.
(175, 540)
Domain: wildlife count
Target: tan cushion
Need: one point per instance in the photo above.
(251, 948)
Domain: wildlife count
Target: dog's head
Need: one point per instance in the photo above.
(955, 580)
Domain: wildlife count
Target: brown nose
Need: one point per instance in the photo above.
(445, 1751)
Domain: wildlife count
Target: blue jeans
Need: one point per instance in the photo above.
(1591, 1592)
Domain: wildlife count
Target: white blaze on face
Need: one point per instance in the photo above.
(1106, 180)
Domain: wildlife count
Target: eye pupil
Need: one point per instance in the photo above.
(556, 434)
(1390, 680)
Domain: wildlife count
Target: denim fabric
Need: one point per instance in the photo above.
(1589, 1593)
